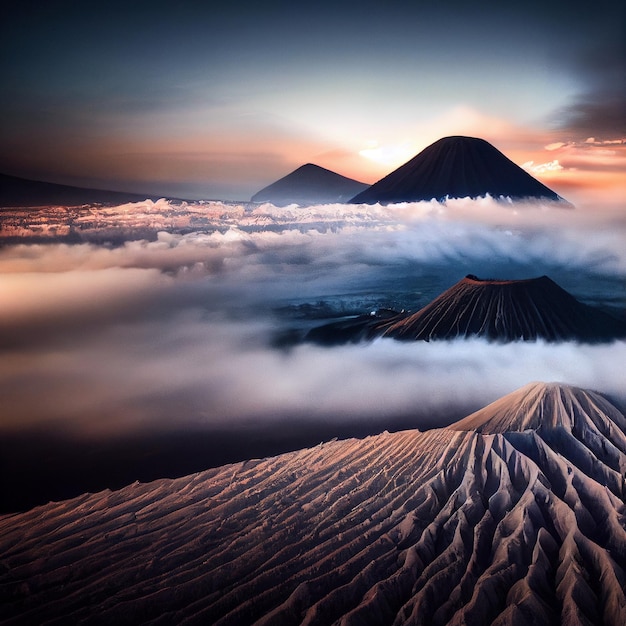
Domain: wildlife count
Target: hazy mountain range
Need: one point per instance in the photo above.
(513, 515)
(452, 167)
(21, 192)
(156, 339)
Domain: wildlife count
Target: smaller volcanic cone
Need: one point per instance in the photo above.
(309, 184)
(544, 406)
(507, 310)
(456, 167)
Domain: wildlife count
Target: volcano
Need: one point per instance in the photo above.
(514, 515)
(546, 407)
(507, 310)
(498, 310)
(456, 167)
(309, 184)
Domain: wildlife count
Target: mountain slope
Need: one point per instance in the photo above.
(309, 184)
(507, 310)
(544, 406)
(20, 192)
(512, 525)
(456, 167)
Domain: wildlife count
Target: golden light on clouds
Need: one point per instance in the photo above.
(586, 173)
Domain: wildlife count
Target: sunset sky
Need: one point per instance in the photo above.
(188, 100)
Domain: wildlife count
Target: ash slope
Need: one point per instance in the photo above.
(309, 184)
(516, 521)
(498, 310)
(508, 310)
(456, 167)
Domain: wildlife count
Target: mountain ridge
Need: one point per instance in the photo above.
(441, 527)
(22, 192)
(541, 405)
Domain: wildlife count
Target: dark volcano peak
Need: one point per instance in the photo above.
(456, 167)
(309, 184)
(508, 310)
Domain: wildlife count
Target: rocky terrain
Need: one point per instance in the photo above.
(508, 310)
(498, 310)
(514, 515)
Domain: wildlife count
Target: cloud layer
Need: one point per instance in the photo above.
(178, 331)
(192, 369)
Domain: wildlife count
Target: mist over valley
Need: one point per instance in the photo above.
(161, 326)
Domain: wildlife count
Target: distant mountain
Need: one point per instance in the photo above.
(514, 516)
(498, 310)
(508, 310)
(309, 184)
(456, 167)
(21, 192)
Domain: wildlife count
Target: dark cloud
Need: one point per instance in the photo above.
(600, 110)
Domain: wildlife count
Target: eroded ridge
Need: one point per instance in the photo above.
(485, 522)
(507, 310)
(533, 309)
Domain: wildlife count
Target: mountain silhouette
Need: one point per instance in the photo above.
(309, 184)
(22, 192)
(514, 515)
(498, 310)
(456, 167)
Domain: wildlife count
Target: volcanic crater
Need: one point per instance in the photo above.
(495, 309)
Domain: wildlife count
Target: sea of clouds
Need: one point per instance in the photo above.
(183, 326)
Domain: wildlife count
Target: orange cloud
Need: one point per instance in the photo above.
(589, 169)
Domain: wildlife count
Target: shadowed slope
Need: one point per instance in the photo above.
(507, 310)
(309, 184)
(498, 310)
(514, 525)
(20, 192)
(456, 167)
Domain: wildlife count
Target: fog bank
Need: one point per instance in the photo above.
(195, 328)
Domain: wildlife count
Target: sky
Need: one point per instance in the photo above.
(194, 100)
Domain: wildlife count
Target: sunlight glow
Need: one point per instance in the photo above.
(392, 155)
